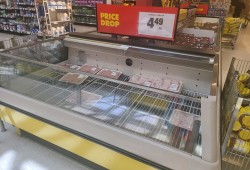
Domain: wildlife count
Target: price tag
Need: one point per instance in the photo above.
(156, 24)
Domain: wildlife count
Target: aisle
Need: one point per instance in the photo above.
(241, 51)
(21, 153)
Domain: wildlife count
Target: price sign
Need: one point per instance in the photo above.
(156, 24)
(140, 21)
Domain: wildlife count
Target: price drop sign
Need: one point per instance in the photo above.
(137, 21)
(156, 24)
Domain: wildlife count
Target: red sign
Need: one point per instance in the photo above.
(185, 5)
(202, 9)
(139, 21)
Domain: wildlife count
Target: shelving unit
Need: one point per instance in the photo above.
(57, 17)
(235, 150)
(84, 12)
(19, 17)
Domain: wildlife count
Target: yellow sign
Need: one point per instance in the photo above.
(110, 19)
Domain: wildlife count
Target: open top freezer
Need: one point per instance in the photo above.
(155, 126)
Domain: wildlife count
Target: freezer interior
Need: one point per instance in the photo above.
(162, 118)
(48, 51)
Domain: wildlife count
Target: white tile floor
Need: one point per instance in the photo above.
(20, 153)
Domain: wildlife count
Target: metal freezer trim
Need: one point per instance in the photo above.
(96, 43)
(145, 148)
(170, 57)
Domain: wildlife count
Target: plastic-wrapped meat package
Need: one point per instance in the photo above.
(65, 65)
(90, 69)
(171, 85)
(73, 78)
(182, 119)
(157, 83)
(136, 80)
(75, 67)
(109, 73)
(141, 80)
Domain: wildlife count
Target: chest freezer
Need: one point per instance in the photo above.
(165, 129)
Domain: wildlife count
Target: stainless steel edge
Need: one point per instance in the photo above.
(170, 57)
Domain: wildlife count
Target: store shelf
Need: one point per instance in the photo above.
(26, 16)
(21, 23)
(56, 22)
(25, 9)
(18, 32)
(234, 156)
(85, 23)
(25, 4)
(10, 17)
(85, 15)
(88, 6)
(53, 9)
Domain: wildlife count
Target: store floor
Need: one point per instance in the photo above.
(21, 153)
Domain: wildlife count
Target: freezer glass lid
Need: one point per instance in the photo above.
(166, 118)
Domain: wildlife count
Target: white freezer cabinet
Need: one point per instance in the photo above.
(171, 130)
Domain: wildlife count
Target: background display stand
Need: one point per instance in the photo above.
(234, 156)
(19, 17)
(57, 17)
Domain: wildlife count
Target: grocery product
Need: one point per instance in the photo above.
(239, 145)
(190, 40)
(73, 78)
(232, 25)
(237, 126)
(246, 121)
(244, 134)
(243, 85)
(159, 83)
(244, 118)
(109, 73)
(182, 119)
(140, 80)
(90, 69)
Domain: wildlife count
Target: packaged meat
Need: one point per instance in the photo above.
(141, 80)
(109, 73)
(73, 78)
(157, 83)
(75, 67)
(164, 84)
(90, 69)
(71, 66)
(171, 85)
(182, 119)
(88, 99)
(65, 65)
